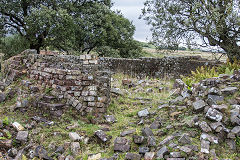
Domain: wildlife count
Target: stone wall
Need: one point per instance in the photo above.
(80, 79)
(85, 80)
(156, 67)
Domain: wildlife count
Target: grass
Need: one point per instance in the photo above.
(151, 52)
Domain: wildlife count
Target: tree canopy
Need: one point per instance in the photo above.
(97, 25)
(216, 22)
(78, 25)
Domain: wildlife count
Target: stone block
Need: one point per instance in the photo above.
(85, 93)
(77, 94)
(89, 99)
(88, 56)
(89, 110)
(101, 110)
(83, 57)
(93, 61)
(75, 103)
(78, 83)
(100, 105)
(91, 104)
(79, 107)
(102, 99)
(92, 93)
(92, 88)
(85, 62)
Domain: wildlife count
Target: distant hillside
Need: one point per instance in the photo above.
(146, 45)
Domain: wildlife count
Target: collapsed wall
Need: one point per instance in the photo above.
(85, 80)
(171, 67)
(80, 79)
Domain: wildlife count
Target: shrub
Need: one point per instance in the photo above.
(201, 73)
(13, 45)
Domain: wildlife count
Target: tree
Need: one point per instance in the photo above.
(216, 22)
(69, 25)
(42, 22)
(97, 25)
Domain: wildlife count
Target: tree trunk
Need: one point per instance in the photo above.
(37, 47)
(232, 50)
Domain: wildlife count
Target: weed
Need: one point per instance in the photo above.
(48, 90)
(8, 134)
(238, 141)
(6, 121)
(90, 117)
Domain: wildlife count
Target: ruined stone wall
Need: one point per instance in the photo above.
(80, 79)
(85, 80)
(156, 67)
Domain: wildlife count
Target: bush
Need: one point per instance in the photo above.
(13, 45)
(130, 49)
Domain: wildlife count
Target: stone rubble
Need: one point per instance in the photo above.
(210, 118)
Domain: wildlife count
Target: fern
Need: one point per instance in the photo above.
(200, 74)
(228, 67)
(205, 72)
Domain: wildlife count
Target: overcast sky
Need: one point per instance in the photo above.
(131, 9)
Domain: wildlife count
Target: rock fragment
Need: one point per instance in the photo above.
(18, 126)
(205, 145)
(94, 156)
(143, 113)
(101, 135)
(110, 118)
(199, 105)
(75, 148)
(138, 139)
(229, 90)
(132, 156)
(121, 144)
(149, 156)
(213, 114)
(127, 132)
(162, 152)
(147, 132)
(41, 153)
(184, 139)
(204, 126)
(22, 136)
(175, 155)
(143, 150)
(74, 136)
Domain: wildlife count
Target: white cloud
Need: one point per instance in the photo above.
(131, 9)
